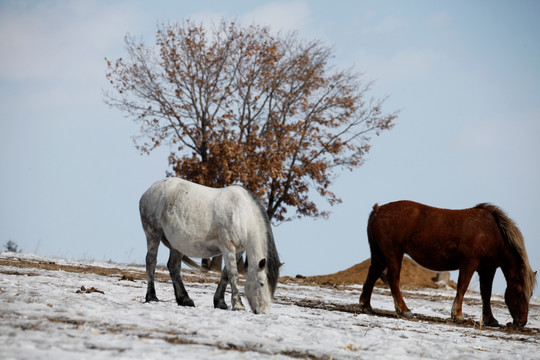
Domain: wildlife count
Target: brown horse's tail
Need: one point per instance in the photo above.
(513, 237)
(373, 246)
(376, 252)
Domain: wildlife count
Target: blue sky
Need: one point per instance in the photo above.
(465, 75)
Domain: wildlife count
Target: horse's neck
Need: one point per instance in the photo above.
(257, 248)
(511, 266)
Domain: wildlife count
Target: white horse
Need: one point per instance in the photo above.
(198, 221)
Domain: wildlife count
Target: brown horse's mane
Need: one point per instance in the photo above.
(513, 237)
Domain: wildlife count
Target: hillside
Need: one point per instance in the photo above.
(65, 309)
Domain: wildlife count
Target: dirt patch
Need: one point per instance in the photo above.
(84, 290)
(355, 309)
(124, 275)
(173, 337)
(413, 276)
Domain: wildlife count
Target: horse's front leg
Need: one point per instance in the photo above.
(229, 257)
(486, 282)
(464, 278)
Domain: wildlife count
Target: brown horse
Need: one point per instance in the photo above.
(479, 239)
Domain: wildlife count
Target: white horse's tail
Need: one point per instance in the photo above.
(191, 263)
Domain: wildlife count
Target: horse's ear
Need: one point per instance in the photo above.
(262, 264)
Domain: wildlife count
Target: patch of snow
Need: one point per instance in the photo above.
(43, 317)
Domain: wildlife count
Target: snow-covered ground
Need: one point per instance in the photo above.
(42, 316)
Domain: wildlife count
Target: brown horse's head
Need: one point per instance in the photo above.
(521, 279)
(518, 303)
(518, 294)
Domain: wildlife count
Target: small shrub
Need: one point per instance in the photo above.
(11, 246)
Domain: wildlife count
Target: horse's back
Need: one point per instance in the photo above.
(170, 191)
(409, 215)
(436, 238)
(177, 206)
(399, 217)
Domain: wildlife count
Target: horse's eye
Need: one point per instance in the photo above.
(262, 284)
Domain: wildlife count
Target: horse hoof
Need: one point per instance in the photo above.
(239, 307)
(188, 302)
(407, 314)
(367, 310)
(221, 305)
(151, 298)
(516, 325)
(492, 323)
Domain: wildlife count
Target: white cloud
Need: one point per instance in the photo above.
(290, 15)
(60, 39)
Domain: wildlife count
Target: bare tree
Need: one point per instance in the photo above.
(241, 105)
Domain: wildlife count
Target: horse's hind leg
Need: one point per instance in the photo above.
(152, 242)
(486, 282)
(174, 264)
(375, 269)
(394, 270)
(219, 296)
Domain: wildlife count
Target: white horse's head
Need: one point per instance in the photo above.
(258, 290)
